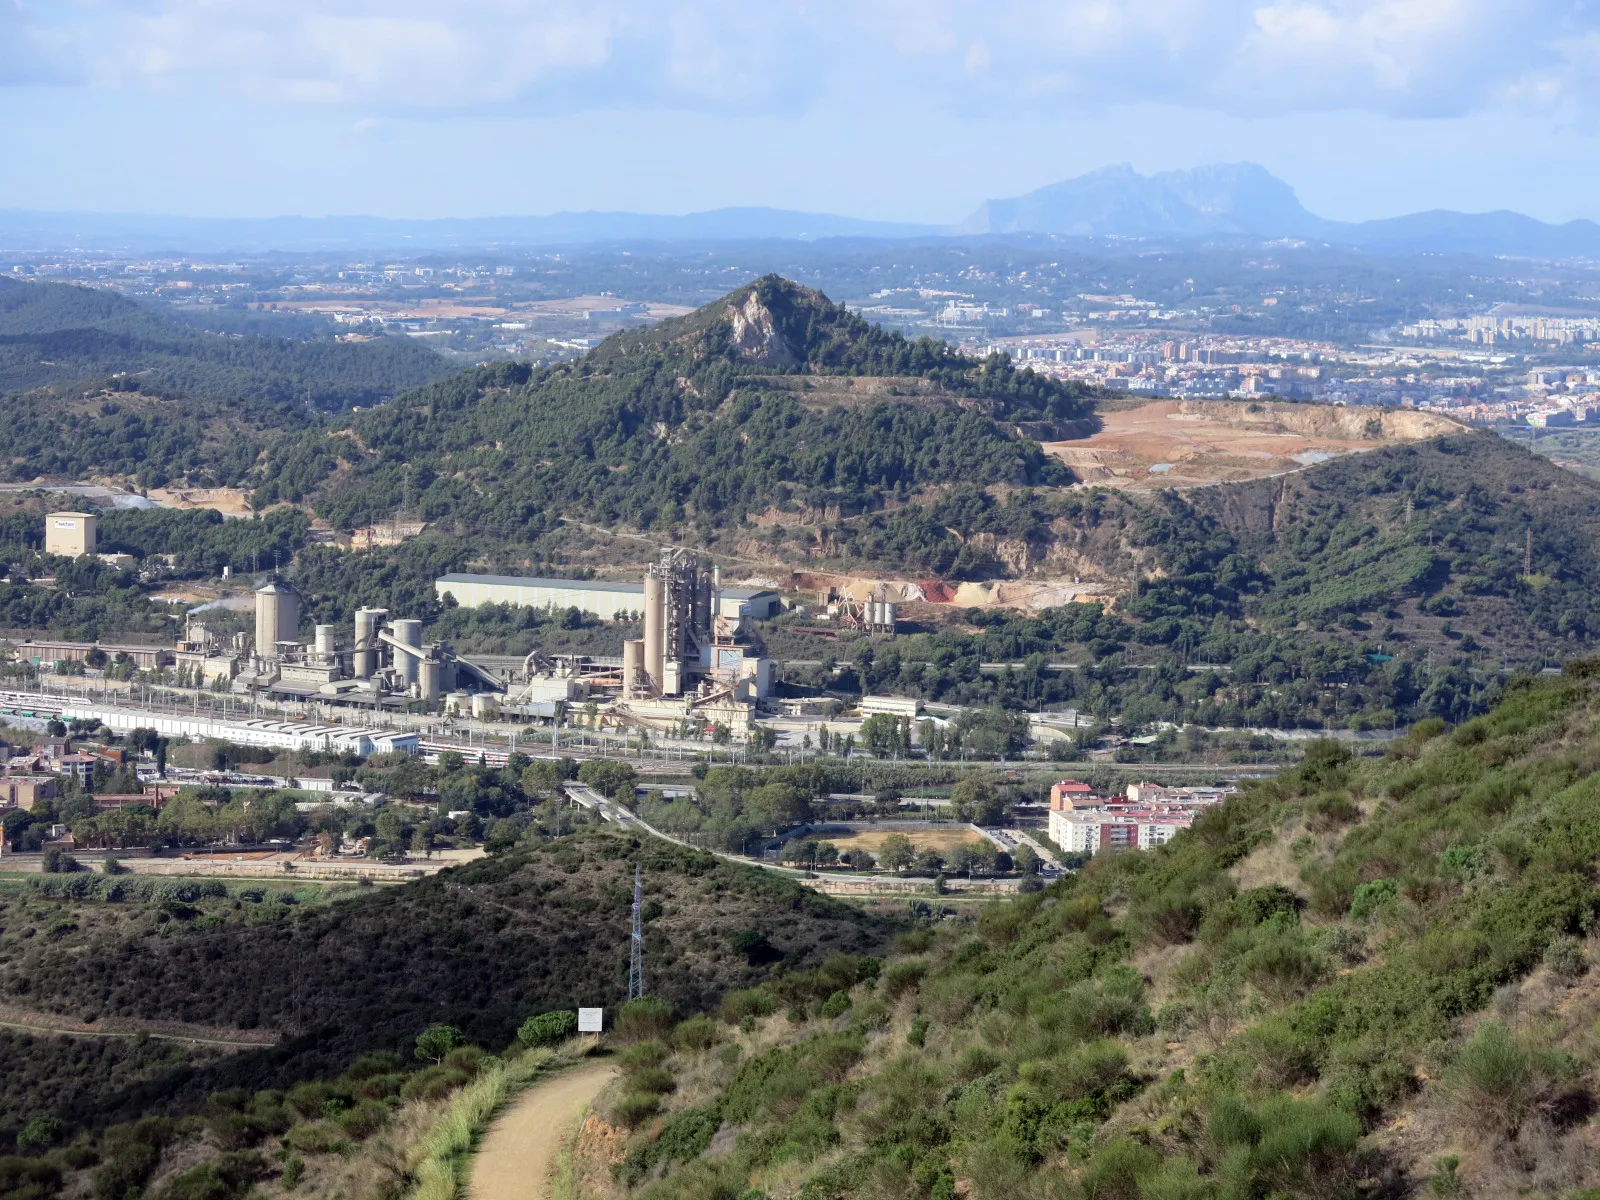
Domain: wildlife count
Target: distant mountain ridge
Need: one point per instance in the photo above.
(1246, 200)
(1222, 200)
(22, 230)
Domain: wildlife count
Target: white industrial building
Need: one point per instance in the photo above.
(610, 601)
(278, 735)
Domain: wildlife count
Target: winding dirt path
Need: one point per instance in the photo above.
(518, 1153)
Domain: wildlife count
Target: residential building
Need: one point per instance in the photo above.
(1070, 794)
(25, 791)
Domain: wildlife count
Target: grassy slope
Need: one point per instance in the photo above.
(1289, 1000)
(479, 946)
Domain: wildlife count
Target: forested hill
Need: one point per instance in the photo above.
(1470, 534)
(57, 333)
(772, 397)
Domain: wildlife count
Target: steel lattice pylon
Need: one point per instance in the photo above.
(636, 952)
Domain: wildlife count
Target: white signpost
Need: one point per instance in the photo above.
(590, 1020)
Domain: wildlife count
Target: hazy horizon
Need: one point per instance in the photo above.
(883, 111)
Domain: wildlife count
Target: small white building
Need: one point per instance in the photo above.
(70, 534)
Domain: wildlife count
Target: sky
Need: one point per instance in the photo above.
(912, 110)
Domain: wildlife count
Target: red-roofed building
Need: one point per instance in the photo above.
(1070, 794)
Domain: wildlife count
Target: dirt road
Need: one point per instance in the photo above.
(518, 1153)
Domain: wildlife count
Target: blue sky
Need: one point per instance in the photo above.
(897, 109)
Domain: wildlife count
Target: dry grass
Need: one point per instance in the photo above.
(942, 840)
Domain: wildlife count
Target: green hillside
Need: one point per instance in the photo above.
(700, 421)
(1365, 977)
(56, 332)
(479, 947)
(93, 384)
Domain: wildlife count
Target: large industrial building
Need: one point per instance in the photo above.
(610, 601)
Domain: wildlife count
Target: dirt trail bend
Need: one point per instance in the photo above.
(518, 1153)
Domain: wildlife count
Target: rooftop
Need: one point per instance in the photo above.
(582, 585)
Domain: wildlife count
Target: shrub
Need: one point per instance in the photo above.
(293, 1169)
(747, 1002)
(633, 1109)
(1370, 897)
(315, 1137)
(1285, 1147)
(434, 1083)
(644, 1056)
(697, 1033)
(364, 1120)
(1114, 1173)
(41, 1132)
(1497, 1084)
(646, 1017)
(58, 862)
(655, 1080)
(1329, 810)
(1284, 966)
(1345, 943)
(1169, 919)
(546, 1029)
(28, 1177)
(226, 1177)
(1175, 1019)
(1565, 958)
(1280, 1055)
(131, 1153)
(903, 976)
(835, 1005)
(310, 1099)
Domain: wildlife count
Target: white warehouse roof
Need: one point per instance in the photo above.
(602, 597)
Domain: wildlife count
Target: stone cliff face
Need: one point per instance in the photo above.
(754, 335)
(1326, 420)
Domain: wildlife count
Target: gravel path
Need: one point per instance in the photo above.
(518, 1154)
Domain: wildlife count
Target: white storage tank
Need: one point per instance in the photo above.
(408, 632)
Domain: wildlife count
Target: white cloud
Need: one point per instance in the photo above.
(1256, 57)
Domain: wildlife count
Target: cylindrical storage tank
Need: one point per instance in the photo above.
(277, 616)
(484, 706)
(289, 616)
(891, 614)
(457, 702)
(655, 618)
(632, 667)
(325, 642)
(365, 659)
(408, 632)
(429, 673)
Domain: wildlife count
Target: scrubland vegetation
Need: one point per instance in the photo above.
(391, 1125)
(1363, 977)
(541, 926)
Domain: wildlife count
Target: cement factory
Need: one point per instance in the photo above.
(699, 661)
